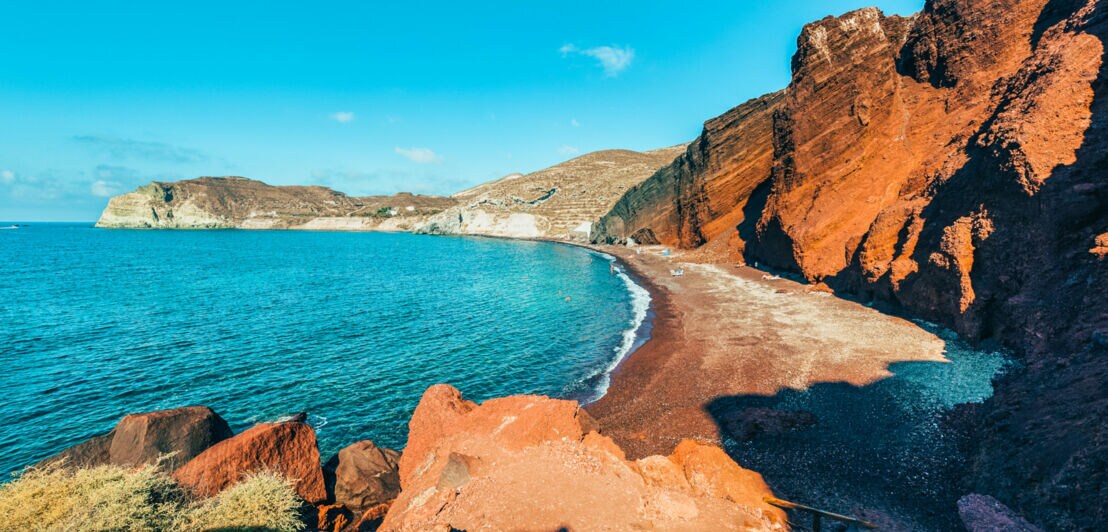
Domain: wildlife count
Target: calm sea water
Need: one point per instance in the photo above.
(350, 327)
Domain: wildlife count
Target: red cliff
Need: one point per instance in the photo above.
(951, 164)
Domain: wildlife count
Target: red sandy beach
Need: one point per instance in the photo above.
(723, 330)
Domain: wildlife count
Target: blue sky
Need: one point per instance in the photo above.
(97, 98)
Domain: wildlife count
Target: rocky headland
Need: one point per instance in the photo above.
(561, 202)
(241, 203)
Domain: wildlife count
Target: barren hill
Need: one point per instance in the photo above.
(554, 202)
(563, 201)
(238, 202)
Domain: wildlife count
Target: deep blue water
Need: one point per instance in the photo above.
(350, 327)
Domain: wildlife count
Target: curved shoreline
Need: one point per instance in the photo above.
(787, 378)
(642, 334)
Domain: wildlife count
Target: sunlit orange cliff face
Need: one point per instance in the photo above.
(952, 164)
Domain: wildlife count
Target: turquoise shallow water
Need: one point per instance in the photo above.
(350, 327)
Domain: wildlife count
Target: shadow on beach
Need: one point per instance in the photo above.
(880, 451)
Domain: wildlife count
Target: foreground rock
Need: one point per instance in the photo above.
(333, 517)
(534, 463)
(181, 433)
(287, 448)
(364, 476)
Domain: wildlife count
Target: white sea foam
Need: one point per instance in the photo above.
(640, 306)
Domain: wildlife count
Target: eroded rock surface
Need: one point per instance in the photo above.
(90, 453)
(287, 448)
(702, 195)
(534, 463)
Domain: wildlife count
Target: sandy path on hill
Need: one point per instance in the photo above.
(721, 330)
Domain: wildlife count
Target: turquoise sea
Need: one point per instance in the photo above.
(349, 327)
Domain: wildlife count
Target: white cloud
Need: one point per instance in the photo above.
(568, 150)
(573, 122)
(419, 155)
(343, 117)
(7, 177)
(104, 189)
(613, 59)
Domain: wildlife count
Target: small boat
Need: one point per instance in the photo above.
(10, 227)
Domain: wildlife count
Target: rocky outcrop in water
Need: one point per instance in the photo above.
(240, 203)
(534, 463)
(146, 438)
(951, 163)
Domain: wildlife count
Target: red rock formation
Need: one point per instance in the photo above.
(952, 163)
(287, 448)
(371, 519)
(333, 518)
(535, 463)
(701, 196)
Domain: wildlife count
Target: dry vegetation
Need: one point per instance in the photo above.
(143, 499)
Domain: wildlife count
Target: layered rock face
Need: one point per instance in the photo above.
(562, 202)
(534, 463)
(237, 202)
(951, 163)
(700, 197)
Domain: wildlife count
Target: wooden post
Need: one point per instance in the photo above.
(817, 514)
